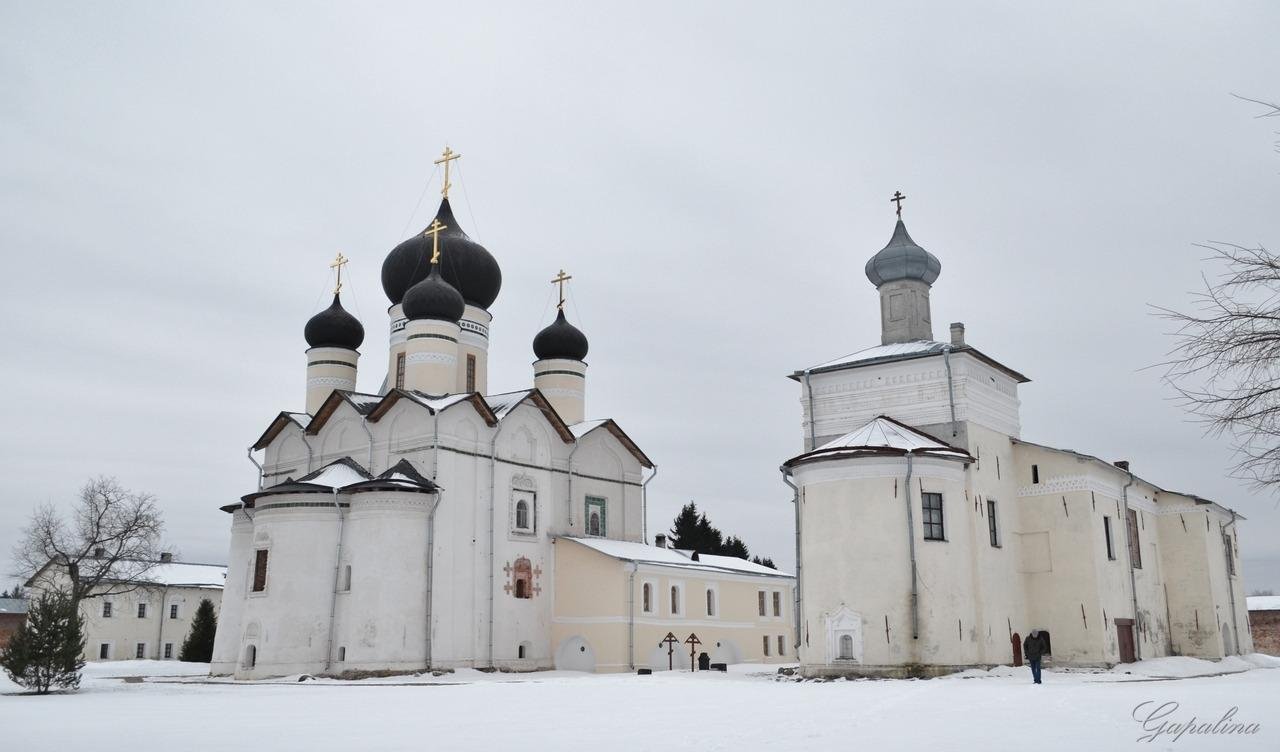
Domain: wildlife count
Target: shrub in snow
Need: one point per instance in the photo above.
(47, 651)
(198, 647)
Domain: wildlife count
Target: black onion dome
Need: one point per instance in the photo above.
(560, 340)
(464, 263)
(433, 298)
(903, 259)
(334, 327)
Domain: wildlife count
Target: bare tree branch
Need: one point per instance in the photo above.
(109, 545)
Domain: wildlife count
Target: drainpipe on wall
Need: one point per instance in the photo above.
(795, 597)
(631, 617)
(493, 554)
(364, 423)
(813, 419)
(435, 445)
(164, 597)
(255, 464)
(431, 542)
(1231, 591)
(911, 540)
(951, 392)
(644, 506)
(572, 452)
(1133, 578)
(337, 567)
(307, 444)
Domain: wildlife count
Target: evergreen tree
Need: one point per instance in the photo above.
(733, 546)
(198, 647)
(684, 531)
(692, 531)
(765, 562)
(47, 651)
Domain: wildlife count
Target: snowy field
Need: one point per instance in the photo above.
(746, 709)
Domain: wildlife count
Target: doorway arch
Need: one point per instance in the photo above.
(575, 654)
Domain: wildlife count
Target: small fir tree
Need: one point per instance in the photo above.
(198, 647)
(48, 650)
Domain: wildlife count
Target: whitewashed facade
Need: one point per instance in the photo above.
(932, 537)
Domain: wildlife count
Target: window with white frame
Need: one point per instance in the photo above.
(142, 610)
(140, 651)
(345, 585)
(524, 512)
(846, 647)
(595, 518)
(766, 645)
(107, 606)
(777, 603)
(168, 651)
(677, 600)
(173, 610)
(761, 595)
(931, 505)
(646, 597)
(993, 526)
(711, 602)
(782, 646)
(104, 651)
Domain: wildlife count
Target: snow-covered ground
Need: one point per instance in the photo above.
(748, 708)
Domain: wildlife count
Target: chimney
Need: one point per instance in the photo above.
(957, 334)
(99, 553)
(660, 540)
(1122, 464)
(166, 557)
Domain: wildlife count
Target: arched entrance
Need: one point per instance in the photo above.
(575, 654)
(725, 651)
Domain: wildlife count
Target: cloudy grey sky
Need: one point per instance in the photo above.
(176, 177)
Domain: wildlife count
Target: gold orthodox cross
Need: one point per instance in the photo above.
(434, 231)
(448, 156)
(338, 263)
(560, 279)
(898, 198)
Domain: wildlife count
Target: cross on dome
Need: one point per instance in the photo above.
(445, 158)
(434, 231)
(560, 279)
(338, 263)
(898, 198)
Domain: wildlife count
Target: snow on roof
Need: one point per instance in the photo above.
(895, 350)
(503, 404)
(646, 554)
(192, 575)
(302, 419)
(436, 404)
(887, 433)
(1264, 602)
(13, 606)
(585, 427)
(336, 474)
(363, 403)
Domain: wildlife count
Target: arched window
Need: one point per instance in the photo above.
(522, 515)
(646, 598)
(846, 647)
(711, 602)
(593, 524)
(675, 599)
(522, 578)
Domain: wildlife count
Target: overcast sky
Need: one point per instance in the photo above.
(175, 178)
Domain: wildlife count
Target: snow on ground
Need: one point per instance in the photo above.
(749, 708)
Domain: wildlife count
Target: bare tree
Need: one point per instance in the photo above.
(1225, 365)
(107, 546)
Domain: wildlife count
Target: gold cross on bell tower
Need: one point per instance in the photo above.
(898, 198)
(445, 158)
(338, 263)
(560, 279)
(434, 231)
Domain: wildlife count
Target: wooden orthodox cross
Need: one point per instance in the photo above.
(693, 642)
(448, 156)
(338, 263)
(898, 198)
(434, 231)
(560, 279)
(670, 641)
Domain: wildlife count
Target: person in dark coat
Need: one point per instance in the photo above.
(1033, 649)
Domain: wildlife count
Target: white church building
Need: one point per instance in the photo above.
(436, 524)
(932, 537)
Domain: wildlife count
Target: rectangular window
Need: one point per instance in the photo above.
(777, 603)
(260, 571)
(346, 578)
(399, 370)
(1035, 474)
(140, 651)
(342, 653)
(675, 600)
(471, 373)
(104, 651)
(932, 505)
(993, 527)
(1135, 548)
(1227, 549)
(594, 519)
(762, 609)
(1106, 531)
(766, 645)
(168, 651)
(106, 609)
(782, 646)
(142, 610)
(173, 610)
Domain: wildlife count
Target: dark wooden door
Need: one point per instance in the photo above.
(1124, 628)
